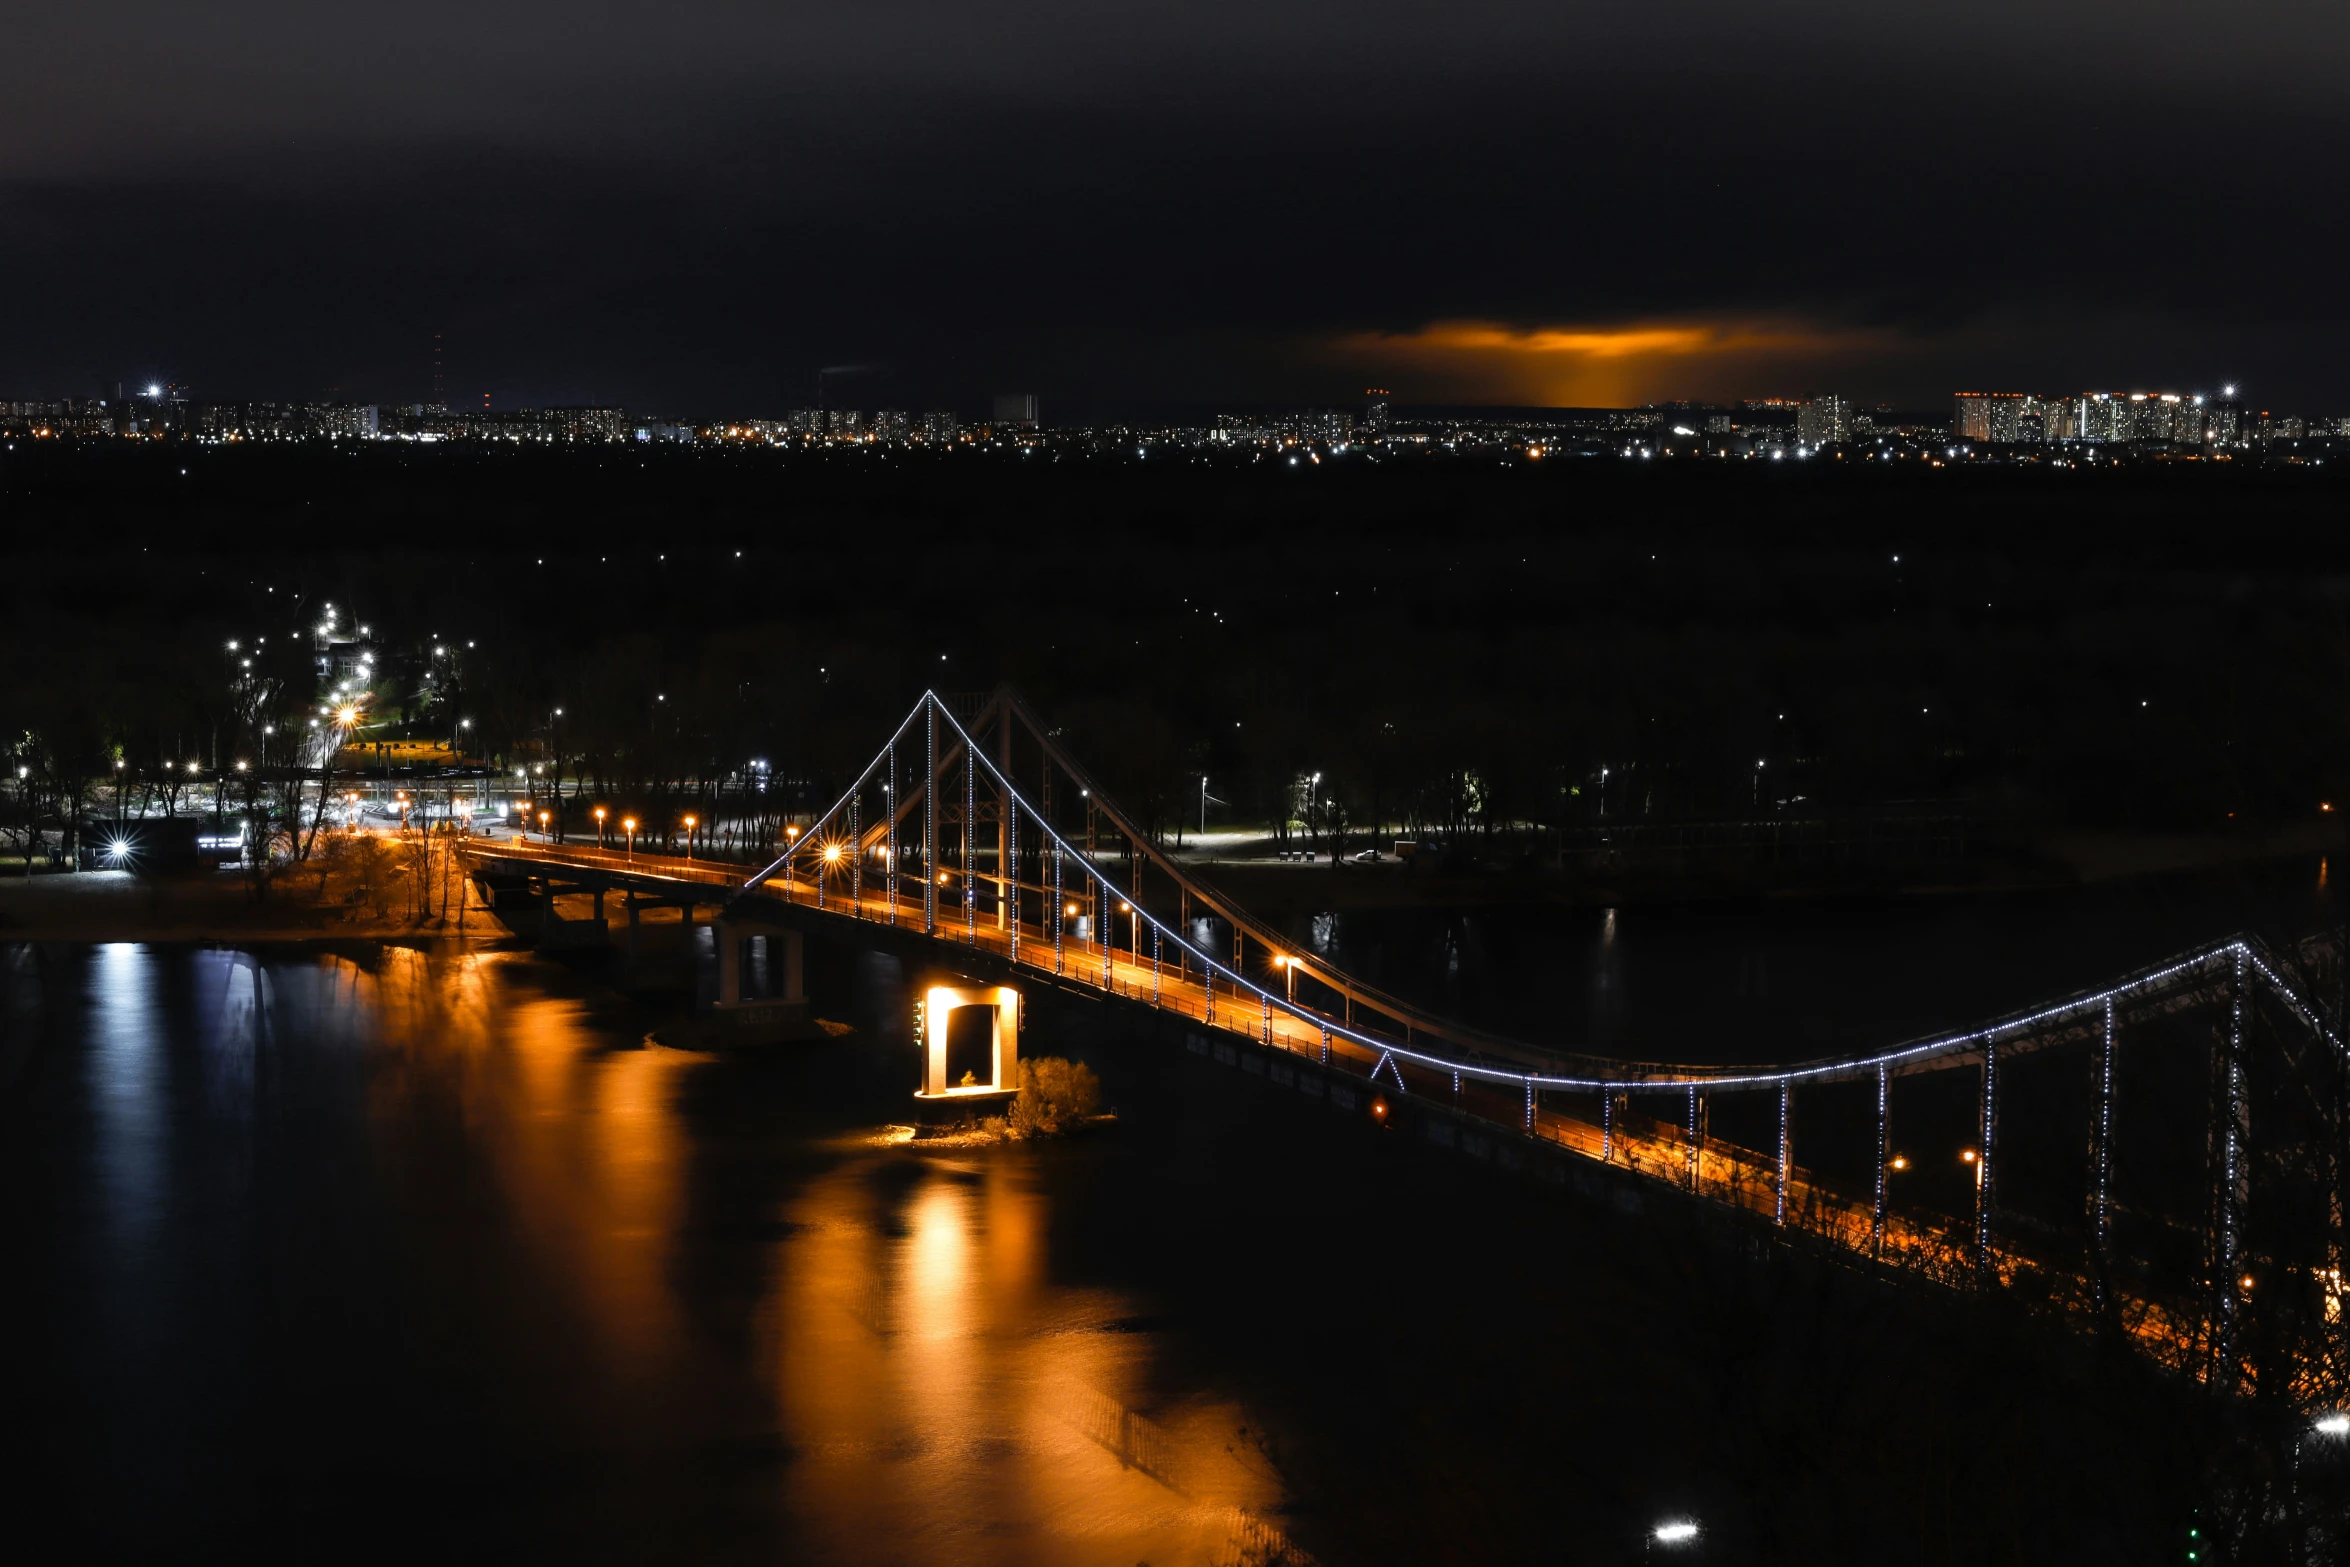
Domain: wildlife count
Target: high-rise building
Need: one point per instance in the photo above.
(1016, 410)
(805, 421)
(844, 424)
(1988, 416)
(938, 427)
(1375, 411)
(2093, 417)
(891, 425)
(1824, 421)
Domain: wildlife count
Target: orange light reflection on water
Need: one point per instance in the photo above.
(941, 1398)
(950, 1404)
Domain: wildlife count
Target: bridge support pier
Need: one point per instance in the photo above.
(559, 934)
(941, 1093)
(749, 1018)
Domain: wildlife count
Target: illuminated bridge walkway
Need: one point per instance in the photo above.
(2163, 1157)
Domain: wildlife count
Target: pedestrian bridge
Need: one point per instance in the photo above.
(2162, 1156)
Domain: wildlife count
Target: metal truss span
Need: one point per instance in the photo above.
(2163, 1156)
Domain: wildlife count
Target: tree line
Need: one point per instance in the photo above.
(1487, 657)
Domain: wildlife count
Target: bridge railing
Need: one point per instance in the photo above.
(2188, 1313)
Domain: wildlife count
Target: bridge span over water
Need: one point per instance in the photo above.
(2163, 1156)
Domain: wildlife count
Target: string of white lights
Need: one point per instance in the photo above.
(1660, 1079)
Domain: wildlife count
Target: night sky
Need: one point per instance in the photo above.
(697, 206)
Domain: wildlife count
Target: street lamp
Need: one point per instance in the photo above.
(1288, 967)
(599, 827)
(689, 837)
(628, 825)
(1672, 1535)
(543, 835)
(2334, 1424)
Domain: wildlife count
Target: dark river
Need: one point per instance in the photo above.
(379, 1252)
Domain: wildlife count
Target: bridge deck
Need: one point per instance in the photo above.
(1936, 1246)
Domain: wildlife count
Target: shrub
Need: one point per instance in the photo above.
(1054, 1096)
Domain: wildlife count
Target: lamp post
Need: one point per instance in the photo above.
(543, 837)
(1288, 967)
(600, 841)
(628, 825)
(689, 837)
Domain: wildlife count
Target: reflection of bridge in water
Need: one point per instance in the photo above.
(2162, 1157)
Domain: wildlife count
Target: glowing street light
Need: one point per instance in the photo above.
(543, 835)
(689, 837)
(628, 824)
(600, 827)
(2334, 1424)
(1289, 967)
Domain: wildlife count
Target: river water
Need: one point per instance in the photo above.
(385, 1252)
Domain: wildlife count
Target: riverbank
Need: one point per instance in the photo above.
(221, 906)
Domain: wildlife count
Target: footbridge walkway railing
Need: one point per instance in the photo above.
(2162, 1156)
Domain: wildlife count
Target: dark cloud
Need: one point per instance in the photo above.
(701, 206)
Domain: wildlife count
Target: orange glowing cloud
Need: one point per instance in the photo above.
(1486, 362)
